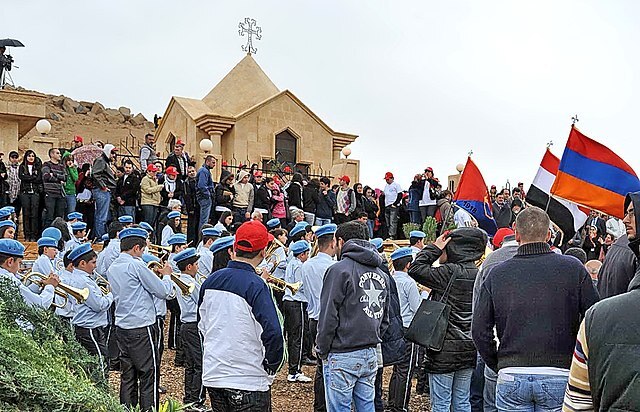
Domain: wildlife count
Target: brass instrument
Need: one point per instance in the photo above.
(159, 251)
(281, 285)
(102, 283)
(270, 258)
(62, 290)
(314, 248)
(185, 288)
(25, 266)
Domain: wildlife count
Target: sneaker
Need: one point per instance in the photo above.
(197, 407)
(162, 389)
(299, 377)
(309, 362)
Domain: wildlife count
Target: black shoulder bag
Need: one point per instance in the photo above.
(429, 325)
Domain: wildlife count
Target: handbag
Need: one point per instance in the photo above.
(429, 325)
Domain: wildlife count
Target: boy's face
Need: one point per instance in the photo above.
(303, 256)
(81, 234)
(50, 252)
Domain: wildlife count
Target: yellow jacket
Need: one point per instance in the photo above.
(150, 191)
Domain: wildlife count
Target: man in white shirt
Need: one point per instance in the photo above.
(392, 198)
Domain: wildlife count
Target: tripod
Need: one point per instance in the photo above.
(5, 78)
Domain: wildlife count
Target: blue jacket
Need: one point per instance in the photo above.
(204, 184)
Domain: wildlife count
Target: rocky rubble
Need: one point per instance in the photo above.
(63, 106)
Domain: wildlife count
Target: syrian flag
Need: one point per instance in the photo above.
(568, 216)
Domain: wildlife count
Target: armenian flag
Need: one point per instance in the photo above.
(472, 195)
(592, 175)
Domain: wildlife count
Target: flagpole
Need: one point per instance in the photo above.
(546, 209)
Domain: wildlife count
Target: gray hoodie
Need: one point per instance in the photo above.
(354, 301)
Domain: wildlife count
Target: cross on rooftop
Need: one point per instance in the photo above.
(250, 27)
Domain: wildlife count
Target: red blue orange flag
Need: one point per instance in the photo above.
(591, 175)
(472, 195)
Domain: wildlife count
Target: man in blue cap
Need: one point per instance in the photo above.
(111, 252)
(409, 296)
(79, 234)
(72, 218)
(187, 262)
(205, 264)
(126, 220)
(416, 241)
(178, 243)
(90, 319)
(273, 223)
(295, 311)
(11, 255)
(312, 273)
(134, 286)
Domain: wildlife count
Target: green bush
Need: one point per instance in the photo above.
(42, 367)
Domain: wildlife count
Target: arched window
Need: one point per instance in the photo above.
(286, 148)
(171, 143)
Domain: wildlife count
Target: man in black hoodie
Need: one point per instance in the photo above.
(353, 318)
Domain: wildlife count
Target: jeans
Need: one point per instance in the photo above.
(489, 393)
(450, 391)
(415, 217)
(239, 214)
(102, 198)
(205, 211)
(350, 378)
(320, 221)
(149, 213)
(428, 211)
(477, 387)
(127, 211)
(235, 400)
(55, 208)
(391, 217)
(310, 218)
(370, 224)
(71, 203)
(530, 393)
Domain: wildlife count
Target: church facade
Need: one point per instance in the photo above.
(249, 120)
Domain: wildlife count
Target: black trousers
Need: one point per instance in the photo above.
(30, 215)
(309, 340)
(193, 389)
(422, 373)
(319, 403)
(378, 403)
(174, 331)
(95, 342)
(234, 400)
(139, 365)
(160, 341)
(56, 207)
(400, 383)
(112, 343)
(294, 315)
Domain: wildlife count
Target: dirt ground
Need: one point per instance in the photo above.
(286, 397)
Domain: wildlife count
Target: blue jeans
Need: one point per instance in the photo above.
(490, 381)
(102, 198)
(205, 211)
(530, 393)
(350, 378)
(370, 224)
(71, 203)
(127, 211)
(450, 391)
(416, 217)
(320, 221)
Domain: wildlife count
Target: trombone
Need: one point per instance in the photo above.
(62, 290)
(185, 288)
(159, 251)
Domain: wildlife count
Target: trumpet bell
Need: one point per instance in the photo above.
(281, 285)
(62, 290)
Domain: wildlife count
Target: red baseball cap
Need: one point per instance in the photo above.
(345, 178)
(179, 143)
(257, 173)
(151, 168)
(428, 169)
(77, 138)
(500, 235)
(251, 236)
(388, 175)
(171, 170)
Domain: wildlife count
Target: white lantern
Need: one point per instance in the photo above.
(206, 145)
(459, 167)
(346, 152)
(43, 126)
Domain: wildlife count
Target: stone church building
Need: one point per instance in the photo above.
(249, 120)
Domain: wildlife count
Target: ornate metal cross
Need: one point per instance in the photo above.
(574, 119)
(249, 26)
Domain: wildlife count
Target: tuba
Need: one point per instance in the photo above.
(185, 288)
(62, 290)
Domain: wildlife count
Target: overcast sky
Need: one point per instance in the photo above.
(421, 82)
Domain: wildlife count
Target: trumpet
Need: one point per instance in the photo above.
(102, 283)
(314, 248)
(159, 251)
(281, 285)
(62, 290)
(185, 288)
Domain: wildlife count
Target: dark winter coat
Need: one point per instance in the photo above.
(310, 198)
(415, 195)
(262, 199)
(393, 342)
(224, 191)
(178, 193)
(467, 245)
(294, 192)
(502, 214)
(128, 190)
(326, 204)
(54, 176)
(30, 182)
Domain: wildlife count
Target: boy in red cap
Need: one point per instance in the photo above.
(392, 199)
(243, 345)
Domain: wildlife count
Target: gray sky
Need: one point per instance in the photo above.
(421, 82)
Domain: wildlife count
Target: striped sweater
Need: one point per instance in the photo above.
(577, 396)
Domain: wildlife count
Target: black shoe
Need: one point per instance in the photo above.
(162, 389)
(114, 366)
(309, 362)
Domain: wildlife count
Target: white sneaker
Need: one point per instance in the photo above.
(299, 377)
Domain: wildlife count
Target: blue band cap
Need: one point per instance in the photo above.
(74, 215)
(327, 229)
(11, 247)
(78, 226)
(83, 249)
(47, 241)
(173, 214)
(222, 243)
(417, 233)
(177, 239)
(4, 223)
(133, 232)
(376, 242)
(53, 232)
(188, 253)
(146, 226)
(299, 247)
(402, 252)
(273, 223)
(299, 227)
(125, 219)
(211, 231)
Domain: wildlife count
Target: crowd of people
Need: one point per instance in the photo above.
(253, 274)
